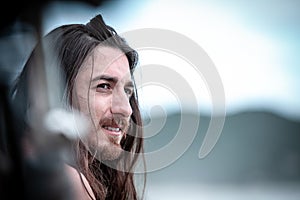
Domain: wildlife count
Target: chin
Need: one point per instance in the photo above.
(109, 152)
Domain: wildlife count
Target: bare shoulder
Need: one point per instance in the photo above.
(79, 184)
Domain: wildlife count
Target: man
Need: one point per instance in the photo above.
(96, 66)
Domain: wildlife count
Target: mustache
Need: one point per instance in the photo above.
(120, 122)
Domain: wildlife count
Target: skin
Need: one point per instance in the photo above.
(103, 87)
(79, 190)
(102, 90)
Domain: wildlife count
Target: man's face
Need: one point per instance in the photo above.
(102, 90)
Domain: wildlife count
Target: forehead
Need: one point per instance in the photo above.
(106, 60)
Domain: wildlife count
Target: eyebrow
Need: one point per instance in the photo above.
(111, 79)
(106, 78)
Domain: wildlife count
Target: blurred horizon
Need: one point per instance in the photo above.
(256, 157)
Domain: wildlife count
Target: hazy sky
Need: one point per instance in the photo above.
(254, 46)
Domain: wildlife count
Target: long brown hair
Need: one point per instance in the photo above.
(72, 44)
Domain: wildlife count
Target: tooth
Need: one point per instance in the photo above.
(112, 129)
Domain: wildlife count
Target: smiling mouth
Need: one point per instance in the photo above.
(115, 128)
(113, 131)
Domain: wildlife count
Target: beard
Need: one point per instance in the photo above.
(103, 146)
(109, 152)
(108, 145)
(106, 149)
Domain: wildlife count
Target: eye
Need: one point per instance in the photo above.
(128, 91)
(103, 87)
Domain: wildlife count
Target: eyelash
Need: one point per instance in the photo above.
(102, 85)
(106, 86)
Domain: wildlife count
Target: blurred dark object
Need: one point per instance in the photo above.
(10, 158)
(28, 11)
(42, 177)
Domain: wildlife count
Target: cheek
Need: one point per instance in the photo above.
(99, 105)
(92, 104)
(81, 101)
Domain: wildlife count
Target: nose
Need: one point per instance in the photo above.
(120, 104)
